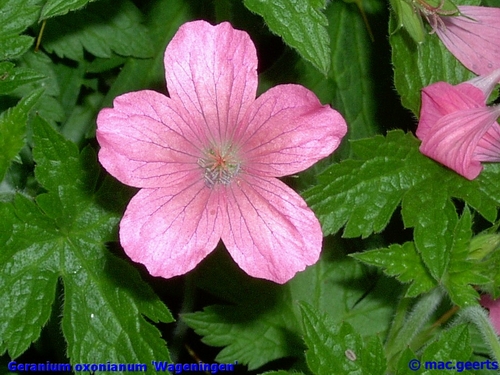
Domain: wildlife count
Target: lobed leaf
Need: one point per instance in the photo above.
(13, 129)
(11, 77)
(61, 235)
(101, 28)
(338, 348)
(362, 194)
(49, 106)
(403, 262)
(13, 47)
(264, 322)
(139, 74)
(15, 17)
(453, 344)
(428, 208)
(463, 272)
(301, 25)
(54, 8)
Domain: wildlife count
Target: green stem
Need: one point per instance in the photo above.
(480, 319)
(413, 324)
(181, 328)
(399, 319)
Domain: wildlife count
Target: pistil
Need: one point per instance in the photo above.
(220, 166)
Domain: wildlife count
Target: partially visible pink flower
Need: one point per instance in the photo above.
(473, 37)
(207, 157)
(494, 307)
(456, 126)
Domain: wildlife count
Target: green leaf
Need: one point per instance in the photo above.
(61, 235)
(11, 77)
(352, 52)
(264, 322)
(407, 17)
(13, 47)
(15, 17)
(101, 28)
(428, 208)
(417, 66)
(54, 8)
(406, 360)
(404, 262)
(13, 130)
(302, 26)
(81, 121)
(139, 74)
(452, 345)
(339, 349)
(489, 181)
(363, 193)
(484, 249)
(354, 85)
(463, 272)
(49, 106)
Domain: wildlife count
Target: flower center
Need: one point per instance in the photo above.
(220, 166)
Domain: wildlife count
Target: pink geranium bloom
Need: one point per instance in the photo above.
(494, 307)
(207, 157)
(456, 126)
(473, 37)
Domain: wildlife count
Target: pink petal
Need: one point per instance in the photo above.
(212, 71)
(455, 136)
(441, 99)
(170, 230)
(271, 233)
(473, 38)
(145, 140)
(287, 130)
(486, 83)
(494, 307)
(488, 148)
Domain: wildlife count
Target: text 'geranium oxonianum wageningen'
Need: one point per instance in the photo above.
(207, 157)
(456, 126)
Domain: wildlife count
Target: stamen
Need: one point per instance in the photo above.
(219, 167)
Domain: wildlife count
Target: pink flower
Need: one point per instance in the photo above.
(457, 128)
(207, 157)
(494, 307)
(473, 37)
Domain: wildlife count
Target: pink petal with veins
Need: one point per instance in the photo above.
(271, 233)
(488, 148)
(212, 71)
(455, 137)
(287, 130)
(146, 141)
(441, 99)
(473, 37)
(207, 157)
(171, 229)
(456, 126)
